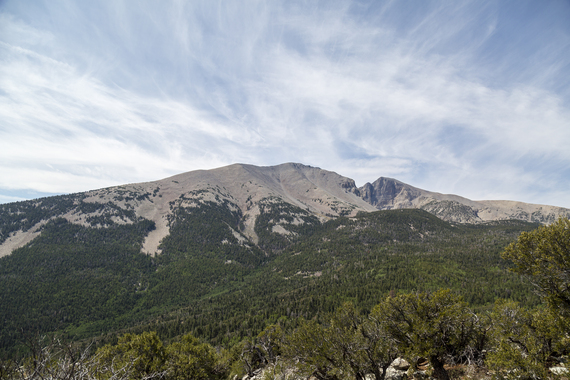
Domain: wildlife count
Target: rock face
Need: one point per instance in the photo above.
(388, 193)
(397, 370)
(400, 364)
(248, 191)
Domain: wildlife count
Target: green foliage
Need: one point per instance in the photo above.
(359, 344)
(543, 255)
(346, 345)
(279, 305)
(27, 214)
(381, 348)
(347, 259)
(270, 342)
(144, 356)
(23, 216)
(73, 276)
(252, 354)
(438, 326)
(309, 347)
(525, 342)
(294, 220)
(94, 282)
(201, 256)
(205, 230)
(139, 356)
(191, 359)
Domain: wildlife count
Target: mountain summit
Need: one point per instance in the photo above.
(249, 191)
(388, 193)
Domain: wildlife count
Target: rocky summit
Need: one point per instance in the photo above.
(247, 190)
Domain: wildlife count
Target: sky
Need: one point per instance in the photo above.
(460, 97)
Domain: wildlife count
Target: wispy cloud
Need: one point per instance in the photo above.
(434, 94)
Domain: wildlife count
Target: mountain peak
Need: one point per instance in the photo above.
(249, 191)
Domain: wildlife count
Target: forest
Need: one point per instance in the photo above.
(84, 291)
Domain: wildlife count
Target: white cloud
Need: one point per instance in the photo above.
(54, 116)
(395, 92)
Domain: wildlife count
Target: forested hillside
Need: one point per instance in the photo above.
(362, 260)
(92, 281)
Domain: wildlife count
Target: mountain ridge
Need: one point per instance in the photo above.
(322, 193)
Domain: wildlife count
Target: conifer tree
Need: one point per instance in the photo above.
(438, 326)
(543, 256)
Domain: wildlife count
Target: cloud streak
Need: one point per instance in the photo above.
(434, 94)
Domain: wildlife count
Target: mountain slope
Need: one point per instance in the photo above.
(388, 194)
(319, 192)
(249, 189)
(86, 283)
(223, 252)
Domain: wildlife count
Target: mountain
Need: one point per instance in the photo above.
(388, 193)
(248, 189)
(221, 253)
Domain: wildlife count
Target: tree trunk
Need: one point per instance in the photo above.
(438, 371)
(384, 369)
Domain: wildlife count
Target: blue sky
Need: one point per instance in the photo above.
(463, 97)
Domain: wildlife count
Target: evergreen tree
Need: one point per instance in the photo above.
(543, 255)
(436, 326)
(525, 342)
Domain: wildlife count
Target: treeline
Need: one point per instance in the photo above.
(26, 214)
(296, 223)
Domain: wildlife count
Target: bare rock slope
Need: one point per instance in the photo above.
(388, 193)
(322, 193)
(246, 189)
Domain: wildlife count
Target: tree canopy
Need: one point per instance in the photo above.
(525, 343)
(543, 255)
(438, 326)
